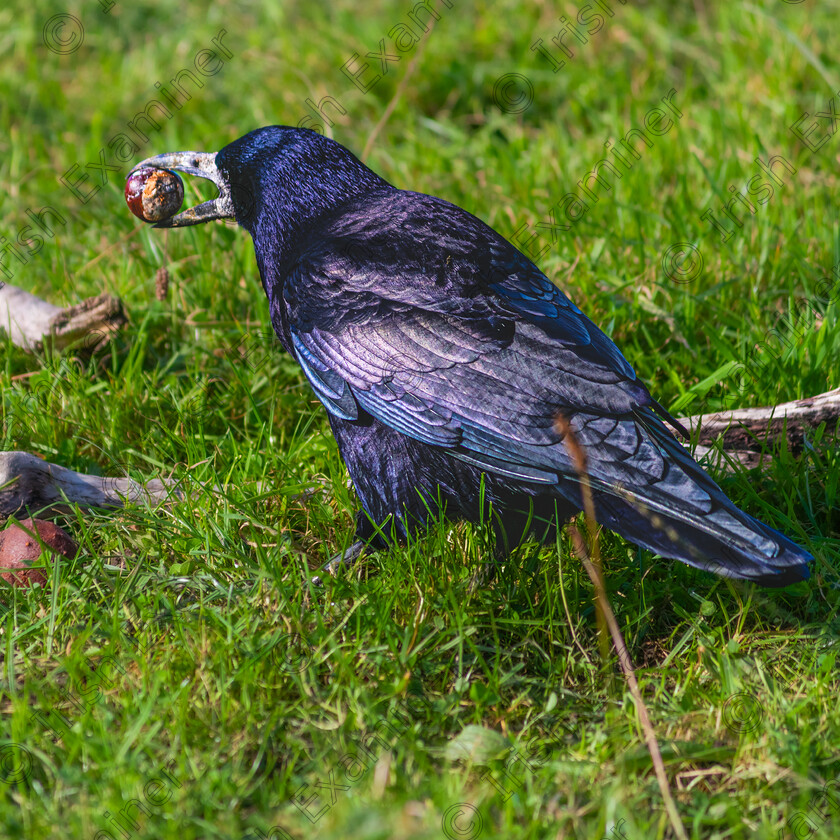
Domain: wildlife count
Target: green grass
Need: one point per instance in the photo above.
(188, 637)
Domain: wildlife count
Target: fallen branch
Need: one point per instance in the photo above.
(27, 483)
(726, 459)
(745, 431)
(32, 322)
(740, 428)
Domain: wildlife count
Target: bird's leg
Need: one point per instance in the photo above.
(344, 558)
(368, 538)
(486, 573)
(512, 529)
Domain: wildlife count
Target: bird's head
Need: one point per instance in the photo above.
(277, 176)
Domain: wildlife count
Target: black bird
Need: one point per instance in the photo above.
(452, 369)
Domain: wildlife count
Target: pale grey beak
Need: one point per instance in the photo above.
(202, 165)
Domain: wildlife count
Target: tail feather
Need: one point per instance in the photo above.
(724, 540)
(706, 544)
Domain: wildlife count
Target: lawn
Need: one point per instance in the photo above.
(182, 677)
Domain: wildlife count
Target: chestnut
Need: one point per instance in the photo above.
(19, 550)
(154, 194)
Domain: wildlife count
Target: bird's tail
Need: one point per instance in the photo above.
(722, 539)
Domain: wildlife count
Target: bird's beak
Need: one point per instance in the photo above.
(203, 165)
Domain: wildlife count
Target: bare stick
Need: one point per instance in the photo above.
(725, 460)
(740, 428)
(32, 322)
(27, 482)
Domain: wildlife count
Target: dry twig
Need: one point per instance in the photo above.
(607, 616)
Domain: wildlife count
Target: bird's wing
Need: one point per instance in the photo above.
(471, 348)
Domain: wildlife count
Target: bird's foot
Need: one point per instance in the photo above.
(344, 558)
(484, 575)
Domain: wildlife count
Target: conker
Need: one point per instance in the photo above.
(154, 194)
(19, 550)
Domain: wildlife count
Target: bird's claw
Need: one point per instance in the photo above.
(344, 558)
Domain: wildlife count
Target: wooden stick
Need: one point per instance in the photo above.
(726, 460)
(32, 322)
(629, 671)
(27, 483)
(743, 432)
(740, 428)
(36, 484)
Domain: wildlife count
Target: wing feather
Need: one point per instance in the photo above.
(459, 341)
